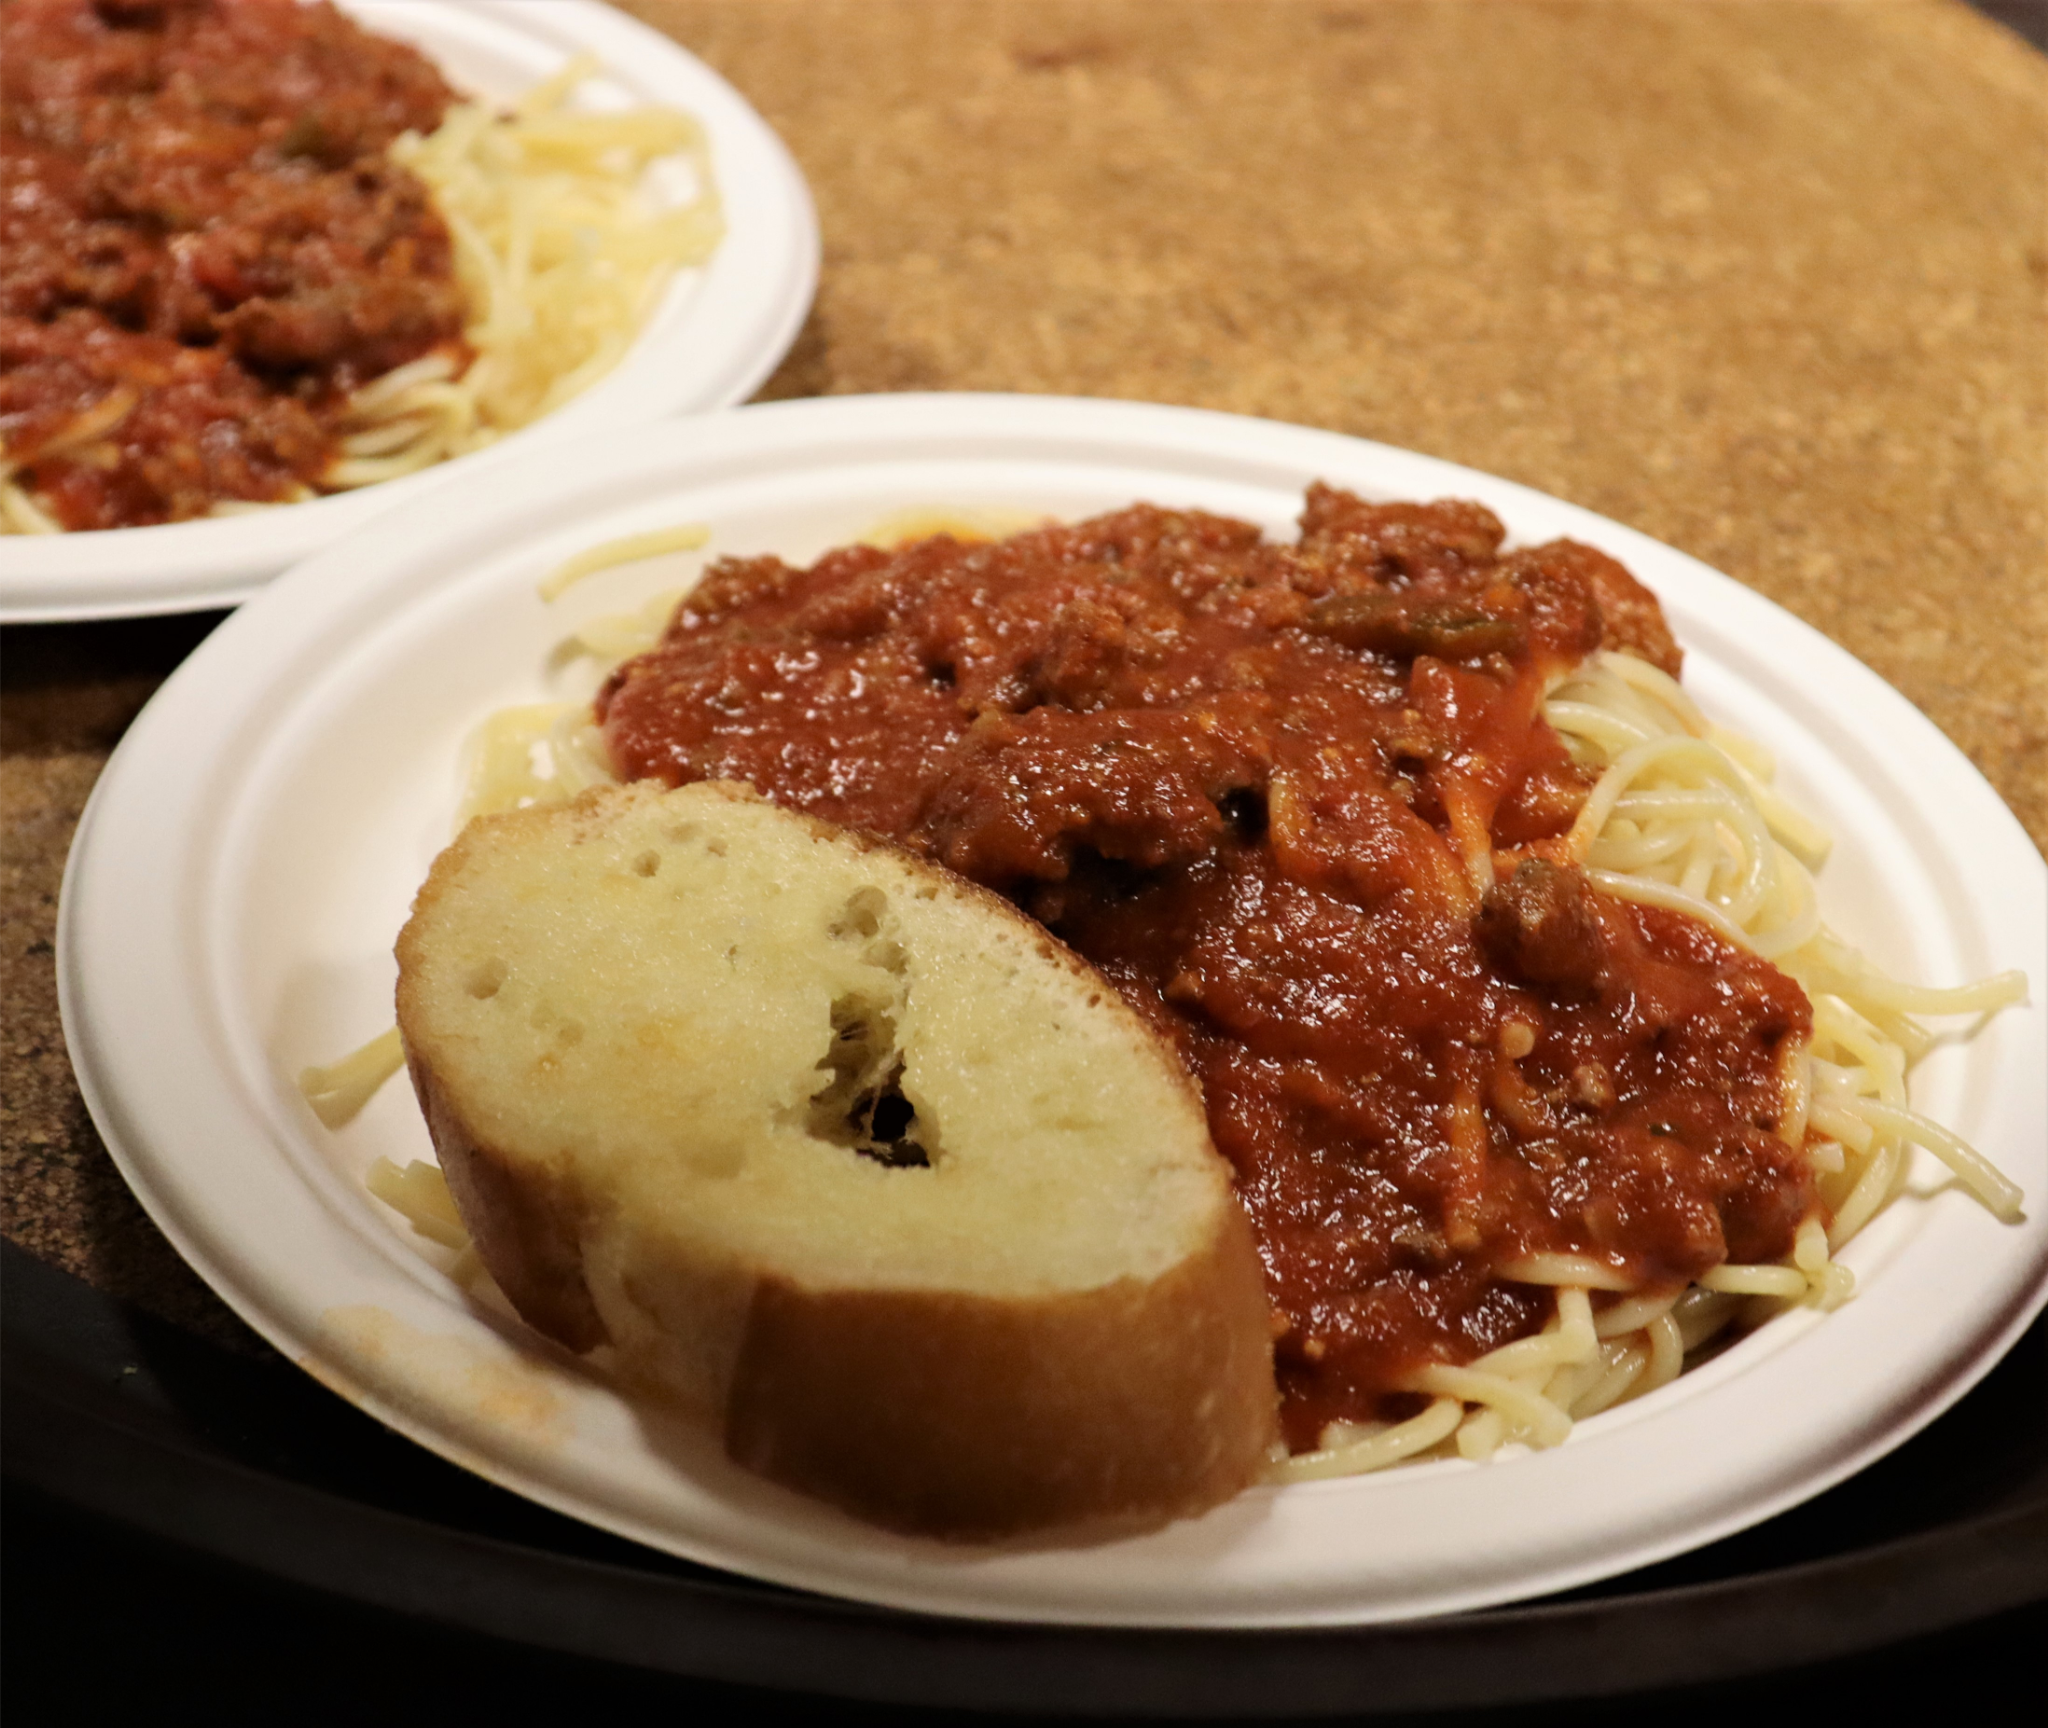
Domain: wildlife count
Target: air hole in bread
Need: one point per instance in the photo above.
(861, 1105)
(544, 1017)
(647, 864)
(862, 915)
(486, 980)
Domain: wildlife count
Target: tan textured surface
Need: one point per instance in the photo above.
(66, 694)
(1766, 280)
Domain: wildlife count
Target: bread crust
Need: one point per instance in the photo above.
(524, 1223)
(954, 1413)
(964, 1417)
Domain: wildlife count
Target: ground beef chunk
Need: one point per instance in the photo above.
(1540, 925)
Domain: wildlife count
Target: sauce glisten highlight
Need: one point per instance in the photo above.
(1300, 804)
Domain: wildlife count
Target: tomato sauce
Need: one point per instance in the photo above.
(203, 250)
(1300, 804)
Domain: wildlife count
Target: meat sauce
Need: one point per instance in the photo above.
(1300, 804)
(203, 250)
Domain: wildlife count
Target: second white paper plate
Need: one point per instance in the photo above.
(717, 332)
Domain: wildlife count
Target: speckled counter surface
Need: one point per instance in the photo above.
(1764, 280)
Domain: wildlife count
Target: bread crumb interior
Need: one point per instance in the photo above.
(775, 1045)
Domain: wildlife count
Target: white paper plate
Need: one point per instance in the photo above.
(716, 334)
(254, 844)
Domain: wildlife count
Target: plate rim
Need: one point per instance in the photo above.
(944, 415)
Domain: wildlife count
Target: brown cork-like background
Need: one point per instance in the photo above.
(1767, 279)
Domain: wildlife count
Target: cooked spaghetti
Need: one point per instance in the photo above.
(562, 250)
(253, 252)
(1608, 843)
(1684, 815)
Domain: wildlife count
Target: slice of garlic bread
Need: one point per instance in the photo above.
(840, 1153)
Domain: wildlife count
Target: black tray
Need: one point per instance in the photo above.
(213, 1482)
